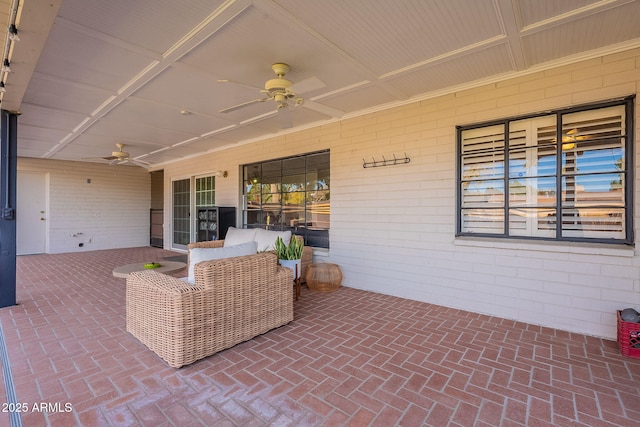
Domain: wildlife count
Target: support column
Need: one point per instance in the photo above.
(8, 174)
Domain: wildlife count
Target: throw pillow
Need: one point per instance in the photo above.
(236, 236)
(267, 239)
(197, 255)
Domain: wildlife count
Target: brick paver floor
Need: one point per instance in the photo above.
(350, 357)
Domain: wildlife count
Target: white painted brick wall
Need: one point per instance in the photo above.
(110, 212)
(392, 228)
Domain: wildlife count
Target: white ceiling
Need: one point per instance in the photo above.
(87, 74)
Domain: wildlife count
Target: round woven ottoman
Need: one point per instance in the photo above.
(324, 277)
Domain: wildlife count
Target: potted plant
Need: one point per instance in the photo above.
(290, 255)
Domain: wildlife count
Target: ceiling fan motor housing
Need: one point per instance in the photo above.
(119, 154)
(279, 88)
(278, 85)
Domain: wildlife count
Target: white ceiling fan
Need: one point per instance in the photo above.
(281, 91)
(119, 157)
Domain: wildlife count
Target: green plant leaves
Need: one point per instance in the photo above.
(291, 251)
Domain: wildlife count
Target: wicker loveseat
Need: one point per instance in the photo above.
(231, 301)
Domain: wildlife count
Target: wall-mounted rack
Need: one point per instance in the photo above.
(385, 162)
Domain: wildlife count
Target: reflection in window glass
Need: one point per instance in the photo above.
(565, 174)
(290, 194)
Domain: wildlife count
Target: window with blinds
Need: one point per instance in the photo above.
(560, 175)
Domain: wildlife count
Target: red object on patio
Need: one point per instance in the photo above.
(628, 337)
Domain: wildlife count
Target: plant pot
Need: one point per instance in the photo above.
(291, 264)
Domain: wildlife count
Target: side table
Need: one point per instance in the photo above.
(165, 267)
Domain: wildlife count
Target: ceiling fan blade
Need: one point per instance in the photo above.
(125, 160)
(244, 104)
(238, 83)
(307, 85)
(323, 109)
(140, 163)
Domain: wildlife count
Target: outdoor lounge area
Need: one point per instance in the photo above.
(468, 171)
(350, 357)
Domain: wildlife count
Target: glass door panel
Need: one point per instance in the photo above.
(181, 213)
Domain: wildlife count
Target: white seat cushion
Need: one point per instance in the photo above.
(267, 239)
(236, 236)
(197, 255)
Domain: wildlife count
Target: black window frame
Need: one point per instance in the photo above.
(629, 142)
(317, 237)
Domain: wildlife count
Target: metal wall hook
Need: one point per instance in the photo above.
(384, 162)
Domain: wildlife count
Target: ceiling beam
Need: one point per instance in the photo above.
(34, 22)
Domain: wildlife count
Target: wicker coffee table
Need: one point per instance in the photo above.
(165, 267)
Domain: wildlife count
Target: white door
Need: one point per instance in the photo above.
(31, 215)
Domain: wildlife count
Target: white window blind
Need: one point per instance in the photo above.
(593, 173)
(482, 182)
(518, 177)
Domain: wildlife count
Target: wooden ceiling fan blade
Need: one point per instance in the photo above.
(244, 104)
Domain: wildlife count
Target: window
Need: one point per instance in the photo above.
(205, 191)
(564, 175)
(290, 194)
(185, 228)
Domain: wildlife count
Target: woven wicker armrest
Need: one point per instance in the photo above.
(164, 313)
(248, 270)
(206, 244)
(159, 282)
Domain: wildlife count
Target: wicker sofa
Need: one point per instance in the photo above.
(232, 300)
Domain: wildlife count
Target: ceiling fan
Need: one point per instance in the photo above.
(280, 90)
(120, 157)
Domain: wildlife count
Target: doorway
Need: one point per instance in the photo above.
(31, 213)
(156, 232)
